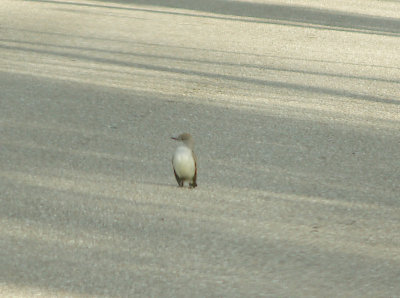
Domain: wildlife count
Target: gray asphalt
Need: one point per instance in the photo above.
(295, 110)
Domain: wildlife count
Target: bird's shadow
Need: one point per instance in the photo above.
(167, 185)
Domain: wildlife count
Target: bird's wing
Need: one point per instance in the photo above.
(195, 169)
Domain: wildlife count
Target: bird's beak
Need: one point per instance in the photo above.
(174, 138)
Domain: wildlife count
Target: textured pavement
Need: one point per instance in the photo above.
(295, 110)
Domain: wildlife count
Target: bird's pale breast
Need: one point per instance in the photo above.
(183, 162)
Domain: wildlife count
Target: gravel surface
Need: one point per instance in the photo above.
(295, 111)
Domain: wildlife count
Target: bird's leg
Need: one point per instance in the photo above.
(194, 184)
(179, 180)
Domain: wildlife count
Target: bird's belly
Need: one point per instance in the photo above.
(184, 164)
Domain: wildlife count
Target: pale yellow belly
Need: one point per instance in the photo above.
(183, 163)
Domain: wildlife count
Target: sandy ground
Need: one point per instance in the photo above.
(295, 109)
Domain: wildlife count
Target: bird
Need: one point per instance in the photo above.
(184, 161)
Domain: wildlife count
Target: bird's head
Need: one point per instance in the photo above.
(186, 138)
